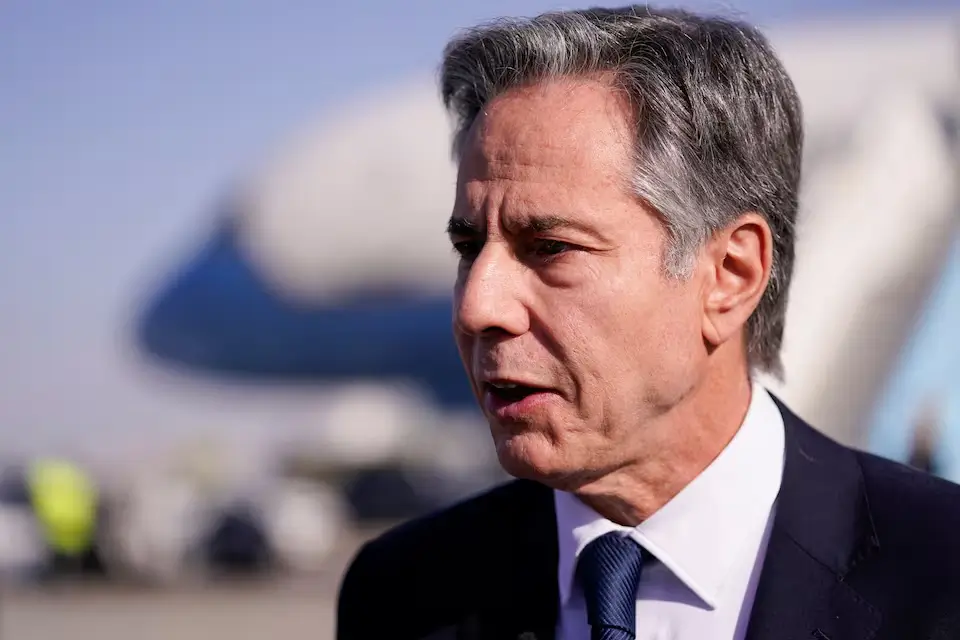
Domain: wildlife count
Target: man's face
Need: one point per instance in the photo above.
(573, 339)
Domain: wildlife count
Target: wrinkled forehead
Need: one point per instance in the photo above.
(558, 150)
(565, 131)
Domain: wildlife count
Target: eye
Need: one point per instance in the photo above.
(549, 248)
(467, 249)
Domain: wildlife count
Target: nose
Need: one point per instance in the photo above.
(488, 297)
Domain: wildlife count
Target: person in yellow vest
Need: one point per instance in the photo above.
(66, 503)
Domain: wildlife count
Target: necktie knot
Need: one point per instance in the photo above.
(608, 571)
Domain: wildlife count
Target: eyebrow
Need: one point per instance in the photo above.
(462, 227)
(541, 224)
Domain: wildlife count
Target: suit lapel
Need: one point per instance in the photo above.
(523, 602)
(528, 608)
(822, 530)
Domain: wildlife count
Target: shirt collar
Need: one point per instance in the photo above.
(697, 535)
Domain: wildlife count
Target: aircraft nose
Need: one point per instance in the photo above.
(212, 314)
(218, 316)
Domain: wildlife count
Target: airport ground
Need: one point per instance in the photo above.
(290, 609)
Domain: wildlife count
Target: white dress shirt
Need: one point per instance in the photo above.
(709, 541)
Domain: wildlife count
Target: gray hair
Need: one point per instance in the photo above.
(718, 122)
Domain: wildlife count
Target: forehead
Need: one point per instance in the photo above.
(562, 139)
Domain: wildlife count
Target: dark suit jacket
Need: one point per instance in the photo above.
(862, 549)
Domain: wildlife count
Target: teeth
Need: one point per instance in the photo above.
(505, 385)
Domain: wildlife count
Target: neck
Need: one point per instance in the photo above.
(684, 441)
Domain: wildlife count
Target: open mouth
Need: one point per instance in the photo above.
(511, 392)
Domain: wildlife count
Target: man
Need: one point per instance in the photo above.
(625, 214)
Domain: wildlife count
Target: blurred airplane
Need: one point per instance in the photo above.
(331, 264)
(219, 314)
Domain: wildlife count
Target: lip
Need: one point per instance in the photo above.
(515, 410)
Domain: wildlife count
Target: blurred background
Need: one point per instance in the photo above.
(225, 357)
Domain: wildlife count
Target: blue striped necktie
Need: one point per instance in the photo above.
(608, 571)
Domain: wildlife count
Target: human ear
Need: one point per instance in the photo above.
(739, 258)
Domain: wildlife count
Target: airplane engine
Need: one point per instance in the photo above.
(154, 530)
(303, 522)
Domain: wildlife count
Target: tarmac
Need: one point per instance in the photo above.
(287, 609)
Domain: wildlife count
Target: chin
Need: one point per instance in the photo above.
(533, 456)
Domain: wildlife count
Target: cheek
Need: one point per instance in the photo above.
(464, 347)
(464, 344)
(675, 343)
(651, 336)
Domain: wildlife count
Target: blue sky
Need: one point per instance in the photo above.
(123, 122)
